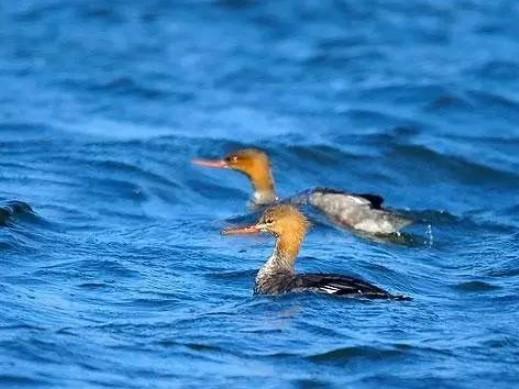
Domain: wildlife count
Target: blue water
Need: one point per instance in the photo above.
(118, 276)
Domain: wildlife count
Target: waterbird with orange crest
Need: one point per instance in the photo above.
(360, 212)
(278, 276)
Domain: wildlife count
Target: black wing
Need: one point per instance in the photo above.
(339, 285)
(375, 200)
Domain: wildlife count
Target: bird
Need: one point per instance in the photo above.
(361, 212)
(278, 276)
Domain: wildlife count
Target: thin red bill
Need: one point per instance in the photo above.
(216, 163)
(249, 230)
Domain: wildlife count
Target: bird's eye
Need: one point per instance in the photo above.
(232, 158)
(269, 221)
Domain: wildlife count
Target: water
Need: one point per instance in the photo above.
(118, 276)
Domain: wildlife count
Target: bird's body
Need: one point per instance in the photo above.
(362, 212)
(333, 284)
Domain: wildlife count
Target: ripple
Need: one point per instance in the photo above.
(499, 70)
(233, 275)
(476, 286)
(346, 354)
(121, 86)
(87, 267)
(432, 216)
(449, 103)
(15, 380)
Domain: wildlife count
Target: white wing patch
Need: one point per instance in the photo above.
(334, 288)
(360, 200)
(329, 289)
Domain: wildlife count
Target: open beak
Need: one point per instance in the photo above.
(249, 230)
(216, 163)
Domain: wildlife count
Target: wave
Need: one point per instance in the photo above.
(19, 380)
(498, 70)
(345, 354)
(475, 286)
(13, 210)
(463, 170)
(319, 155)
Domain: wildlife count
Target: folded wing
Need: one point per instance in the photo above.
(343, 286)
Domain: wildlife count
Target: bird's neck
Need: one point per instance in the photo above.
(260, 199)
(284, 257)
(264, 188)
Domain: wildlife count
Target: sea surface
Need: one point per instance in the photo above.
(113, 273)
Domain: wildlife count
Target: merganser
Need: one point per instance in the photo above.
(278, 276)
(362, 212)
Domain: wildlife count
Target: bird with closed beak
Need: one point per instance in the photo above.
(278, 276)
(361, 212)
